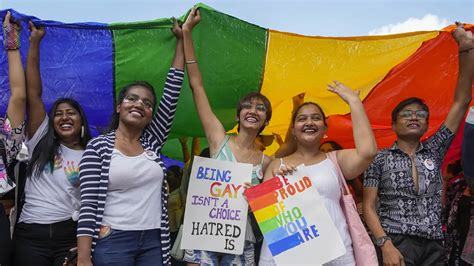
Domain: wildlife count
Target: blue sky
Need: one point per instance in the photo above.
(325, 18)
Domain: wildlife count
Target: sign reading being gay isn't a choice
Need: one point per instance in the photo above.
(294, 220)
(216, 210)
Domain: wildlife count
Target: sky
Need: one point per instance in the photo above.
(316, 18)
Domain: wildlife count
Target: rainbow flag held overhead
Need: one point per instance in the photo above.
(294, 220)
(92, 61)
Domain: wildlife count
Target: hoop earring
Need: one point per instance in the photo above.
(82, 132)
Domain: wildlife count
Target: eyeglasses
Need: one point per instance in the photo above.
(259, 107)
(133, 98)
(422, 114)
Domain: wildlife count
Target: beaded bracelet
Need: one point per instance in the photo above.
(11, 36)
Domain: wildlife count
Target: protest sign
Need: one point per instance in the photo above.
(294, 220)
(216, 210)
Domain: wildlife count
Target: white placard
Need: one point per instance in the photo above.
(216, 210)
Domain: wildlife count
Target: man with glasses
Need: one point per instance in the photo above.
(406, 180)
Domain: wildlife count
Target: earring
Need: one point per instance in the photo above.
(82, 132)
(325, 136)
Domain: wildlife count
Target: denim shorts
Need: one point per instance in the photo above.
(215, 258)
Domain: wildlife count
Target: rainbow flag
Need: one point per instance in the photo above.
(92, 61)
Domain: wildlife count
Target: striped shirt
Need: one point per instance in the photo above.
(95, 163)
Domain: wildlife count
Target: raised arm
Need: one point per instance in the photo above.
(36, 110)
(354, 161)
(213, 128)
(16, 74)
(463, 92)
(160, 126)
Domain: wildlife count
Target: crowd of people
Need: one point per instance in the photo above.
(110, 200)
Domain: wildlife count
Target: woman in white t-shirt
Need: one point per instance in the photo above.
(308, 128)
(46, 228)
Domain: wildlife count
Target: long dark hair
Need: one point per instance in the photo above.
(116, 115)
(48, 146)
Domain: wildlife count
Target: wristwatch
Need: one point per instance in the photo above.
(381, 240)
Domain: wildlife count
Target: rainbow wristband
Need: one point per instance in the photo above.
(11, 36)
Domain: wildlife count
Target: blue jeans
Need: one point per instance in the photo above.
(129, 248)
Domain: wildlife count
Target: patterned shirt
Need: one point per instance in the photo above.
(402, 209)
(11, 139)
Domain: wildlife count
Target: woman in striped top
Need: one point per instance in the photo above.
(122, 170)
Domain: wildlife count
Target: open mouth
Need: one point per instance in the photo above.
(413, 125)
(310, 130)
(137, 113)
(66, 126)
(251, 119)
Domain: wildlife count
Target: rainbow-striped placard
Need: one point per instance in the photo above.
(294, 220)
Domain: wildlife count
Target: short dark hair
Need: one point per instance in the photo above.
(140, 83)
(255, 96)
(406, 102)
(295, 113)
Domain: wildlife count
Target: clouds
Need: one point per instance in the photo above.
(428, 22)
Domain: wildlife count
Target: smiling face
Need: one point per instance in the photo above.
(308, 125)
(136, 109)
(253, 115)
(411, 122)
(67, 122)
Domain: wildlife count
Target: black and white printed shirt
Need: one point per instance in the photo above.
(403, 210)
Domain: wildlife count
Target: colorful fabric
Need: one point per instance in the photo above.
(12, 33)
(237, 57)
(11, 139)
(403, 210)
(94, 168)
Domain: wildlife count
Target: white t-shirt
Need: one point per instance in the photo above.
(134, 192)
(53, 196)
